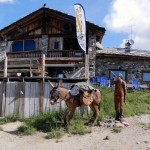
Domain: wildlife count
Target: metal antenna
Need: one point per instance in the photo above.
(131, 31)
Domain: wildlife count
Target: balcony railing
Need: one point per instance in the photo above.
(30, 54)
(65, 53)
(50, 54)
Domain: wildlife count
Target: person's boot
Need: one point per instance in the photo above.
(121, 117)
(117, 117)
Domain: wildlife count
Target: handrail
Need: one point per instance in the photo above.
(50, 54)
(65, 53)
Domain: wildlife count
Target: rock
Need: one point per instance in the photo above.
(148, 148)
(125, 123)
(116, 121)
(107, 138)
(119, 125)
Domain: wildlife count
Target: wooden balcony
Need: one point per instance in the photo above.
(51, 54)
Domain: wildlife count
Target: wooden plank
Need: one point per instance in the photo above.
(27, 100)
(5, 66)
(12, 96)
(46, 102)
(9, 99)
(17, 100)
(41, 95)
(3, 98)
(21, 59)
(64, 65)
(31, 97)
(36, 98)
(22, 98)
(21, 66)
(65, 58)
(21, 70)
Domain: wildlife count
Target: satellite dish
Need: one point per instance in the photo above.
(98, 45)
(131, 42)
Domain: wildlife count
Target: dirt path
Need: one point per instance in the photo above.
(133, 137)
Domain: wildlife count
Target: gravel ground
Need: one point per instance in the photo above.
(133, 137)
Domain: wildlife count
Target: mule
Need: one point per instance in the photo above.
(91, 99)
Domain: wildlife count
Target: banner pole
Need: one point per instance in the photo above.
(87, 66)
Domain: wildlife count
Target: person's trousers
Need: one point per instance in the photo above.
(119, 105)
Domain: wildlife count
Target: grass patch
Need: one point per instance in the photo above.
(77, 126)
(26, 130)
(146, 125)
(56, 134)
(137, 102)
(116, 130)
(46, 122)
(11, 118)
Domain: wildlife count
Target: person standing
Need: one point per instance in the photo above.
(119, 96)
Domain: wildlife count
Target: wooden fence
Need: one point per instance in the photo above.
(27, 98)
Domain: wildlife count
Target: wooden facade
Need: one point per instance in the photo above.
(50, 32)
(27, 98)
(39, 47)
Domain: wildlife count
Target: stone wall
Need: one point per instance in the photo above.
(132, 66)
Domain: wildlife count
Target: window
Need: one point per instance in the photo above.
(56, 45)
(29, 45)
(146, 76)
(17, 46)
(26, 45)
(116, 72)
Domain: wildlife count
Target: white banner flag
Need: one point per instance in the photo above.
(80, 25)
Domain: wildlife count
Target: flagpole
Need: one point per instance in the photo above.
(81, 34)
(87, 66)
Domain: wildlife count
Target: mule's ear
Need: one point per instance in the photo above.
(51, 84)
(60, 83)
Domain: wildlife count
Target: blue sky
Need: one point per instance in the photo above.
(122, 19)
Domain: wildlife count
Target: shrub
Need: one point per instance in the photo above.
(57, 134)
(26, 130)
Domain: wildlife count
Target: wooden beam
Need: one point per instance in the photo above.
(64, 65)
(65, 58)
(20, 70)
(87, 66)
(43, 65)
(21, 66)
(5, 67)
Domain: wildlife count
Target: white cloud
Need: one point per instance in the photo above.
(124, 13)
(7, 1)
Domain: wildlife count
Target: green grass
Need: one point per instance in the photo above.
(116, 130)
(46, 122)
(77, 127)
(26, 130)
(11, 118)
(137, 102)
(56, 134)
(146, 125)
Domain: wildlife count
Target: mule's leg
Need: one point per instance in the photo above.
(95, 109)
(71, 113)
(65, 116)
